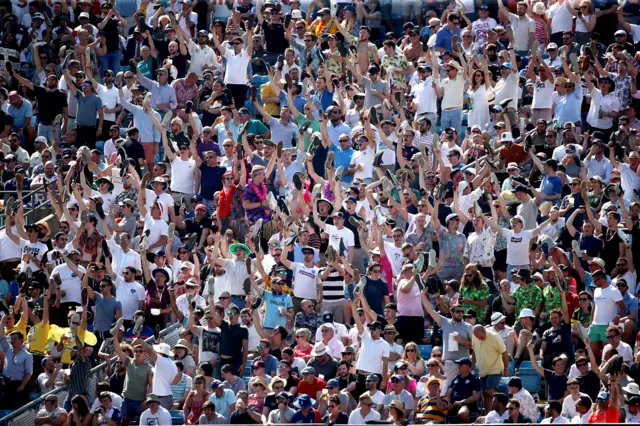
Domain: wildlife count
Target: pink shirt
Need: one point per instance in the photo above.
(409, 304)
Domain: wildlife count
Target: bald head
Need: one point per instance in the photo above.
(480, 332)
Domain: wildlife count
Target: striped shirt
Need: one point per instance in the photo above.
(429, 409)
(79, 378)
(332, 286)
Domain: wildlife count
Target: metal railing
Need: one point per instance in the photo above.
(25, 416)
(32, 205)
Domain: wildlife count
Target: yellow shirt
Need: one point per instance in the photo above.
(266, 91)
(18, 327)
(37, 338)
(489, 354)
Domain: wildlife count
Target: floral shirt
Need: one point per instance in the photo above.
(425, 237)
(451, 247)
(333, 66)
(398, 80)
(480, 247)
(310, 322)
(478, 294)
(552, 299)
(623, 89)
(252, 196)
(501, 242)
(527, 298)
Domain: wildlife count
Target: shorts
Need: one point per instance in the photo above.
(598, 333)
(492, 381)
(500, 263)
(131, 409)
(411, 8)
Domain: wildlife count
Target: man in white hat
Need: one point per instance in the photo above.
(165, 373)
(323, 364)
(526, 319)
(155, 414)
(332, 342)
(506, 333)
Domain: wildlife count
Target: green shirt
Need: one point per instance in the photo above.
(527, 298)
(136, 380)
(478, 294)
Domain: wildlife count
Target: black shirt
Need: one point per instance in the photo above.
(328, 370)
(134, 150)
(50, 104)
(181, 62)
(558, 340)
(343, 382)
(292, 382)
(274, 38)
(6, 120)
(342, 419)
(231, 339)
(557, 384)
(238, 418)
(463, 388)
(111, 35)
(223, 99)
(198, 227)
(590, 384)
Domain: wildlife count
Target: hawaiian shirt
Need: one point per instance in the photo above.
(333, 66)
(310, 322)
(552, 299)
(623, 89)
(451, 247)
(480, 247)
(398, 80)
(527, 298)
(478, 294)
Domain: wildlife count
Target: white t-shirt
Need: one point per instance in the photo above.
(209, 339)
(425, 97)
(543, 94)
(9, 249)
(375, 350)
(71, 284)
(129, 294)
(558, 420)
(36, 250)
(394, 254)
(517, 246)
(569, 405)
(624, 350)
(336, 234)
(116, 401)
(183, 175)
(561, 18)
(605, 304)
(161, 417)
(158, 228)
(365, 158)
(507, 88)
(110, 99)
(165, 200)
(164, 373)
(305, 280)
(481, 27)
(236, 72)
(340, 331)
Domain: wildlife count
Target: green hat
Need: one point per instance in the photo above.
(104, 179)
(237, 246)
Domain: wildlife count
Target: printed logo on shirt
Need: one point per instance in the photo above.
(516, 239)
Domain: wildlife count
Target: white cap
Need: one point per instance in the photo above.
(506, 137)
(526, 312)
(42, 139)
(296, 14)
(552, 46)
(496, 317)
(513, 166)
(83, 15)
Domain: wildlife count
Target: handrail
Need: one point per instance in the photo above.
(35, 404)
(45, 204)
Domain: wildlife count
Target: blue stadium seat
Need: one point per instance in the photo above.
(425, 351)
(177, 417)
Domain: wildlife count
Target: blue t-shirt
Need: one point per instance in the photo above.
(298, 417)
(551, 186)
(105, 312)
(557, 384)
(224, 402)
(273, 302)
(20, 114)
(342, 158)
(630, 302)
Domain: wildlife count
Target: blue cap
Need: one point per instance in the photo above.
(464, 361)
(350, 9)
(333, 383)
(352, 199)
(506, 65)
(284, 394)
(397, 377)
(603, 396)
(400, 364)
(216, 384)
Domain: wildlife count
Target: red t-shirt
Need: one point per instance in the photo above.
(311, 389)
(607, 416)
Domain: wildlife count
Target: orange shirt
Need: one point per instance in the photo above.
(515, 154)
(607, 416)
